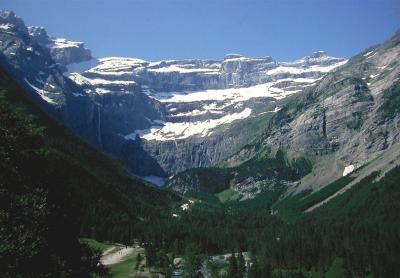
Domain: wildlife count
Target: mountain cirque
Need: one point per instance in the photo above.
(163, 117)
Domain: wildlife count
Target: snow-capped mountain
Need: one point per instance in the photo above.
(160, 117)
(202, 100)
(200, 95)
(63, 51)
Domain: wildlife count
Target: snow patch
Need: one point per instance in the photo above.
(296, 70)
(185, 207)
(181, 130)
(81, 80)
(64, 43)
(368, 53)
(245, 59)
(101, 91)
(7, 26)
(347, 170)
(117, 65)
(42, 93)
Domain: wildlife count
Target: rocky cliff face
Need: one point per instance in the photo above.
(62, 51)
(201, 100)
(24, 55)
(346, 123)
(342, 114)
(348, 119)
(101, 119)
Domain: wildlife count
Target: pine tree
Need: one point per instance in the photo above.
(266, 270)
(337, 269)
(233, 267)
(138, 261)
(241, 265)
(151, 255)
(192, 262)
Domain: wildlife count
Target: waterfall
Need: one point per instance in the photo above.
(99, 127)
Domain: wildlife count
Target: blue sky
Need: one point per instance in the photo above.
(176, 29)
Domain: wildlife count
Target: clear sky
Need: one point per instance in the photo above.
(176, 29)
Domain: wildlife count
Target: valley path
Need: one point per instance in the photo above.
(112, 257)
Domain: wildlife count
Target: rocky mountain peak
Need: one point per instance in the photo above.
(63, 51)
(164, 110)
(39, 35)
(67, 52)
(318, 54)
(9, 21)
(232, 56)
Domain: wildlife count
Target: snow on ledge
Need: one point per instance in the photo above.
(64, 43)
(7, 26)
(42, 93)
(348, 170)
(175, 68)
(180, 130)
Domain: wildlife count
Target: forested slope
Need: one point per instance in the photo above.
(55, 188)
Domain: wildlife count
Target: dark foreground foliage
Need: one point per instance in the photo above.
(38, 212)
(55, 188)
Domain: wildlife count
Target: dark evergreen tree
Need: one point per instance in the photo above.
(192, 262)
(241, 265)
(138, 261)
(151, 255)
(233, 270)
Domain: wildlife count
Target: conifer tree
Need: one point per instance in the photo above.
(241, 265)
(233, 266)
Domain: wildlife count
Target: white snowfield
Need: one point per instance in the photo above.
(296, 70)
(221, 98)
(181, 130)
(177, 68)
(111, 257)
(232, 94)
